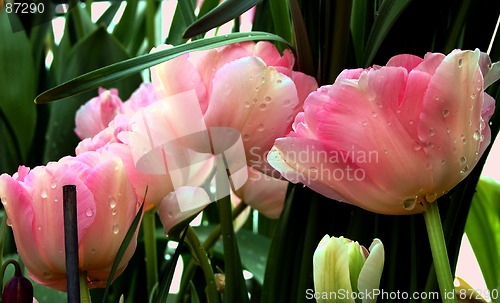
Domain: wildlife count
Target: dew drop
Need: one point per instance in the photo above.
(460, 62)
(165, 233)
(116, 229)
(463, 160)
(279, 81)
(471, 107)
(246, 137)
(47, 275)
(114, 211)
(473, 96)
(385, 151)
(112, 202)
(93, 251)
(417, 145)
(411, 122)
(431, 197)
(364, 123)
(446, 112)
(4, 200)
(448, 130)
(44, 194)
(389, 123)
(443, 162)
(39, 227)
(431, 132)
(89, 212)
(428, 166)
(8, 222)
(409, 203)
(477, 135)
(260, 127)
(464, 170)
(374, 114)
(481, 139)
(170, 214)
(247, 104)
(53, 185)
(117, 167)
(268, 99)
(464, 140)
(482, 124)
(379, 105)
(398, 111)
(262, 106)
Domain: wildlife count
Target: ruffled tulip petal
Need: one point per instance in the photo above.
(263, 193)
(258, 98)
(176, 76)
(116, 207)
(451, 126)
(369, 277)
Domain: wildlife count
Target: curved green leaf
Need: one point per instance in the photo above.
(107, 74)
(386, 16)
(224, 12)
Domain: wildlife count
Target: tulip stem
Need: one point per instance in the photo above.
(148, 225)
(200, 254)
(439, 253)
(84, 289)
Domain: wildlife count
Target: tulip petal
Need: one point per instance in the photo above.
(369, 277)
(258, 98)
(176, 76)
(331, 269)
(116, 207)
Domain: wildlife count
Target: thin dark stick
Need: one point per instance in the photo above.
(71, 243)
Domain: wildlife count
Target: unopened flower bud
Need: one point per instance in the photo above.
(342, 266)
(18, 289)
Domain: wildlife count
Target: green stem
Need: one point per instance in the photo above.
(207, 244)
(150, 23)
(77, 18)
(439, 253)
(201, 255)
(148, 225)
(84, 289)
(3, 232)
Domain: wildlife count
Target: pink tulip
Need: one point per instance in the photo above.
(106, 207)
(96, 114)
(391, 139)
(247, 86)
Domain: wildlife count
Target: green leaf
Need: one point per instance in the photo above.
(281, 17)
(305, 61)
(194, 294)
(123, 248)
(128, 19)
(223, 13)
(483, 230)
(129, 67)
(17, 86)
(109, 14)
(96, 50)
(386, 17)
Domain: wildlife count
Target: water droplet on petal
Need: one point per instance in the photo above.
(117, 167)
(411, 122)
(246, 137)
(279, 81)
(446, 112)
(53, 185)
(374, 114)
(246, 104)
(268, 99)
(4, 200)
(448, 130)
(47, 275)
(431, 132)
(428, 166)
(44, 194)
(473, 96)
(112, 202)
(477, 135)
(464, 140)
(262, 106)
(431, 197)
(260, 127)
(443, 162)
(398, 111)
(379, 105)
(417, 145)
(39, 227)
(463, 160)
(409, 203)
(8, 222)
(93, 251)
(460, 62)
(464, 170)
(364, 123)
(482, 124)
(116, 229)
(170, 214)
(89, 212)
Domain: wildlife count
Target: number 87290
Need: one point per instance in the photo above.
(24, 8)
